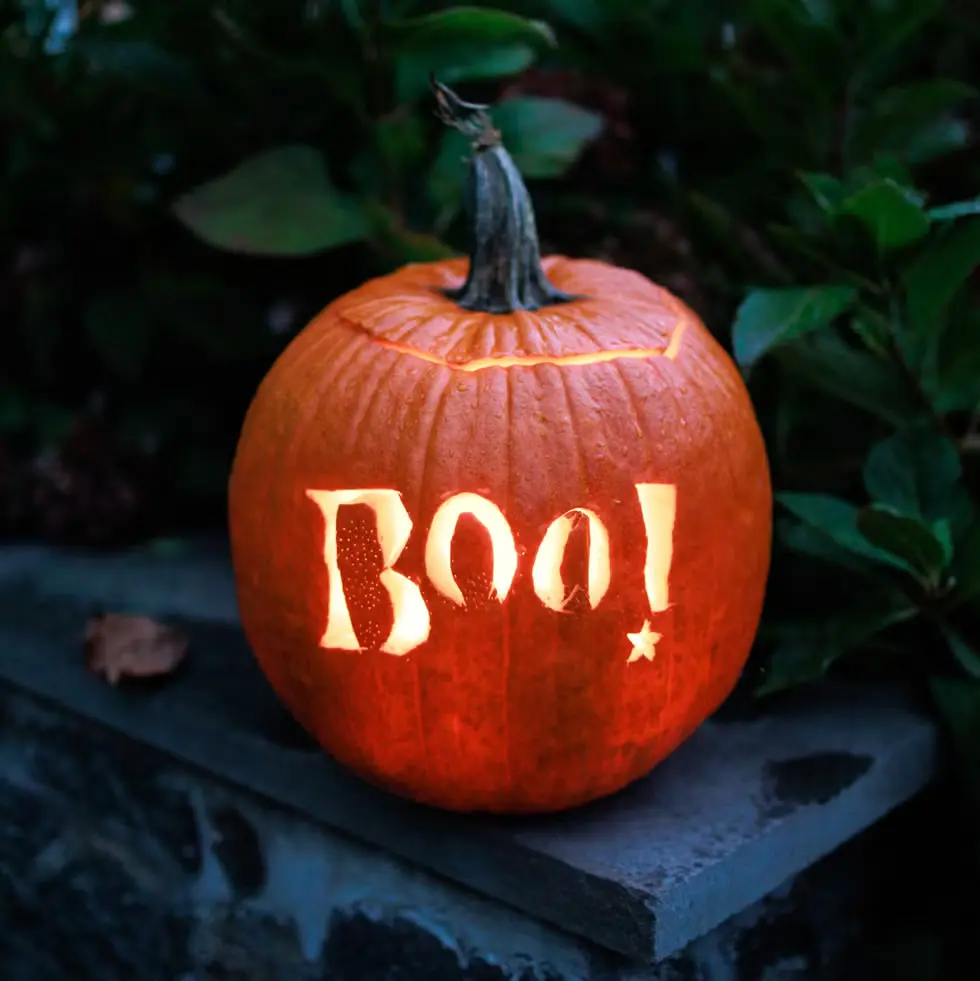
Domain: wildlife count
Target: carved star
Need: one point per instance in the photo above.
(644, 643)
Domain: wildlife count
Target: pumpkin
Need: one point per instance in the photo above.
(501, 526)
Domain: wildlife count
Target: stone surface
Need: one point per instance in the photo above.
(118, 864)
(740, 809)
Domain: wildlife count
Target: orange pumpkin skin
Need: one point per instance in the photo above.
(508, 706)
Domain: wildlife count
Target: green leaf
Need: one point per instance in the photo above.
(925, 551)
(912, 121)
(824, 362)
(838, 520)
(935, 277)
(545, 136)
(885, 166)
(804, 651)
(957, 209)
(874, 329)
(826, 190)
(771, 317)
(804, 539)
(965, 655)
(893, 215)
(278, 203)
(916, 471)
(462, 44)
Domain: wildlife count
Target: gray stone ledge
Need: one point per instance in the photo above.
(740, 809)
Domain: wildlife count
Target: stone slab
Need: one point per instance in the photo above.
(738, 810)
(119, 863)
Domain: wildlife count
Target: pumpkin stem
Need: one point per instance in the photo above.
(505, 256)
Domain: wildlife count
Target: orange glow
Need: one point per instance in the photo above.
(439, 545)
(658, 505)
(644, 643)
(546, 571)
(411, 621)
(532, 360)
(411, 616)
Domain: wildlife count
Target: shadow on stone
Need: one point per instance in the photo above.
(359, 948)
(239, 850)
(279, 728)
(815, 779)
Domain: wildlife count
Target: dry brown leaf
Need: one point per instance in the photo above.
(118, 646)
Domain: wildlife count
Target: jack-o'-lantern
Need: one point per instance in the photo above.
(501, 529)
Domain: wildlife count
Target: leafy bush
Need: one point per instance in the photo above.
(186, 183)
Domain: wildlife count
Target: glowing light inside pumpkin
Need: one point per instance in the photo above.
(546, 571)
(438, 545)
(411, 624)
(411, 616)
(658, 505)
(644, 643)
(533, 360)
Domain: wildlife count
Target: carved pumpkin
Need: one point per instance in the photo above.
(501, 529)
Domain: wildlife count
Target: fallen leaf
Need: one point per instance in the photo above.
(118, 645)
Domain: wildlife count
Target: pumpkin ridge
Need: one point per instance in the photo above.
(426, 442)
(312, 379)
(470, 330)
(508, 632)
(360, 416)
